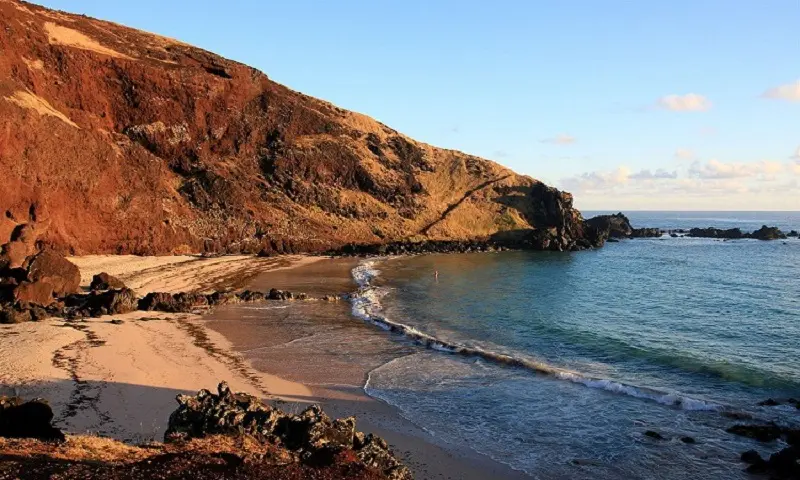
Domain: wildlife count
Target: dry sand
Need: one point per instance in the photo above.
(121, 380)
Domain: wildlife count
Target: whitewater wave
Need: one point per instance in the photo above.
(366, 305)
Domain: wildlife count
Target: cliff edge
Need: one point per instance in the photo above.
(114, 140)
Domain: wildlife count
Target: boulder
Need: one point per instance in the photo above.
(731, 233)
(768, 233)
(113, 302)
(178, 303)
(11, 314)
(793, 234)
(37, 293)
(653, 434)
(249, 297)
(615, 226)
(96, 304)
(762, 433)
(275, 294)
(14, 254)
(104, 281)
(222, 298)
(31, 419)
(58, 271)
(311, 435)
(646, 233)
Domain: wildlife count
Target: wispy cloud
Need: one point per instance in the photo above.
(715, 169)
(684, 154)
(690, 102)
(659, 174)
(789, 92)
(562, 139)
(796, 155)
(598, 180)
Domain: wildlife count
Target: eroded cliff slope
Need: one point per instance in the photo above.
(113, 140)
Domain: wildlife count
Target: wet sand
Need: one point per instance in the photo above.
(323, 347)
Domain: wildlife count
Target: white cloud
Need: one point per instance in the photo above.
(659, 174)
(598, 180)
(562, 139)
(715, 169)
(684, 154)
(691, 102)
(789, 92)
(796, 155)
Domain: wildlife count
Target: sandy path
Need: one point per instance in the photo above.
(121, 380)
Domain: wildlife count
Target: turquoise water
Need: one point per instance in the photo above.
(564, 360)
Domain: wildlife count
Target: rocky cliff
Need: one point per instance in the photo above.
(114, 140)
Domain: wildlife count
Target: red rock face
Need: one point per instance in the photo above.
(126, 142)
(61, 275)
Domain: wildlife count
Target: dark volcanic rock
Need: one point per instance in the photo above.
(768, 233)
(762, 433)
(249, 296)
(177, 303)
(104, 281)
(731, 233)
(793, 234)
(312, 436)
(653, 434)
(784, 464)
(10, 314)
(646, 232)
(763, 233)
(615, 226)
(31, 419)
(96, 304)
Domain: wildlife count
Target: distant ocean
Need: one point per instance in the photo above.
(558, 363)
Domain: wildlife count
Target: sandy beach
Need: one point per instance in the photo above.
(120, 379)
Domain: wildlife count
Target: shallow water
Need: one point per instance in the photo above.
(558, 363)
(649, 334)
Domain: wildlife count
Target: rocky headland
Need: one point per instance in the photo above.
(127, 142)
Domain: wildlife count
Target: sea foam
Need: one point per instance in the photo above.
(366, 305)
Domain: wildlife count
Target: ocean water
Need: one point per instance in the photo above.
(558, 363)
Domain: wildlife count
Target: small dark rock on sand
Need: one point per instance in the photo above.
(104, 281)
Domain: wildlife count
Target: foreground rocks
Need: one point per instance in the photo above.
(210, 436)
(104, 281)
(784, 464)
(20, 419)
(311, 436)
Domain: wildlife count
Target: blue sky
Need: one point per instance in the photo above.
(589, 95)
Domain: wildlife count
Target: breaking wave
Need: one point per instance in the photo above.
(366, 305)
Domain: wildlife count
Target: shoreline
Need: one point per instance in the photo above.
(119, 380)
(340, 388)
